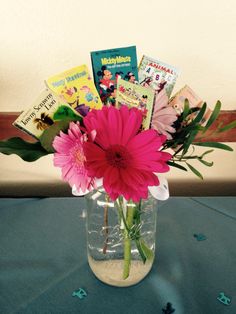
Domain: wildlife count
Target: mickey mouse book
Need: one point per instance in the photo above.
(109, 65)
(76, 88)
(135, 95)
(157, 75)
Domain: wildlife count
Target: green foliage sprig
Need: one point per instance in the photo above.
(188, 125)
(186, 132)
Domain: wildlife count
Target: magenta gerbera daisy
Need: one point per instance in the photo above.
(123, 156)
(69, 156)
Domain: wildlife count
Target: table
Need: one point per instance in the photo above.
(43, 259)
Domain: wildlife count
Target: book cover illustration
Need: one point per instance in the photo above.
(135, 95)
(177, 101)
(157, 75)
(195, 103)
(110, 65)
(46, 110)
(76, 87)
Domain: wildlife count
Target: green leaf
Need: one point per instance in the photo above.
(227, 127)
(186, 109)
(178, 150)
(140, 249)
(207, 152)
(206, 163)
(174, 164)
(146, 250)
(49, 134)
(195, 171)
(214, 144)
(27, 151)
(189, 141)
(200, 114)
(214, 115)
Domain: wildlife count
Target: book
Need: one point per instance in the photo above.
(110, 65)
(157, 75)
(135, 95)
(178, 100)
(45, 110)
(76, 87)
(195, 103)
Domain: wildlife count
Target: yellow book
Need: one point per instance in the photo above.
(76, 88)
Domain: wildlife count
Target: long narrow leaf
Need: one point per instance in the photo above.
(200, 114)
(227, 127)
(214, 144)
(214, 115)
(189, 141)
(178, 150)
(174, 164)
(207, 152)
(186, 109)
(206, 163)
(195, 171)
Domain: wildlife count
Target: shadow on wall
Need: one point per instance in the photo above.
(62, 189)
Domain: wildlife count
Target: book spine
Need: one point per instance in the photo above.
(15, 124)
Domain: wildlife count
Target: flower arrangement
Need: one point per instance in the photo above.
(114, 150)
(109, 148)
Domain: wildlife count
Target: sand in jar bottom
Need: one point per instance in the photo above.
(111, 271)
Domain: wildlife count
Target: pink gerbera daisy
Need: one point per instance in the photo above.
(122, 155)
(69, 156)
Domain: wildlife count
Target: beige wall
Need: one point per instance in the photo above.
(41, 38)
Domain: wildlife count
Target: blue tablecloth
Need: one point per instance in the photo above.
(43, 259)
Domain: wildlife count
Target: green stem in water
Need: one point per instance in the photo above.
(107, 198)
(145, 252)
(127, 240)
(131, 232)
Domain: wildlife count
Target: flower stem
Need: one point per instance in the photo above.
(127, 241)
(105, 225)
(131, 225)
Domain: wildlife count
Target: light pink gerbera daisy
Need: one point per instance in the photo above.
(163, 115)
(122, 155)
(69, 156)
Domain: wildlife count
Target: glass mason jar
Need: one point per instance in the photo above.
(120, 238)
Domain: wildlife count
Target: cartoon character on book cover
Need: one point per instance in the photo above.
(133, 95)
(76, 88)
(157, 75)
(111, 65)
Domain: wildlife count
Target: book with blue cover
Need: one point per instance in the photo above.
(110, 65)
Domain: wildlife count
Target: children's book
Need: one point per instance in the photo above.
(157, 75)
(178, 100)
(109, 65)
(46, 109)
(76, 88)
(195, 103)
(135, 95)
